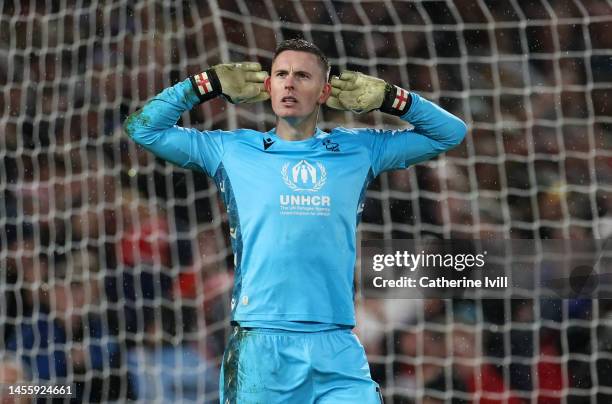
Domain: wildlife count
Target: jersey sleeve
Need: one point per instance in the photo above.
(154, 128)
(435, 131)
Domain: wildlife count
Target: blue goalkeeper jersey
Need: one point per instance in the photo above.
(293, 206)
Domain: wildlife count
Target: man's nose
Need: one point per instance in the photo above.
(289, 81)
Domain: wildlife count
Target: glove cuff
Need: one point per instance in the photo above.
(206, 85)
(397, 100)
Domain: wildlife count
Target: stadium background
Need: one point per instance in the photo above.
(115, 268)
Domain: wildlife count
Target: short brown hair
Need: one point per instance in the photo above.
(302, 45)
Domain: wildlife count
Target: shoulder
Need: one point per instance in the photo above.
(233, 133)
(246, 132)
(242, 138)
(372, 132)
(229, 136)
(342, 131)
(358, 132)
(243, 135)
(358, 136)
(240, 133)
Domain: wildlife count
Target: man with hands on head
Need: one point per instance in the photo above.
(294, 197)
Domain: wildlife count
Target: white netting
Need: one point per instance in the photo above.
(114, 266)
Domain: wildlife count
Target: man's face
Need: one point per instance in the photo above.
(297, 84)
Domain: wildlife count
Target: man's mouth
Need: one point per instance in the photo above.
(289, 100)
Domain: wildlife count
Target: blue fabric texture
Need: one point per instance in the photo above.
(276, 366)
(294, 205)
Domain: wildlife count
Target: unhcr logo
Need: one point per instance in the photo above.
(304, 176)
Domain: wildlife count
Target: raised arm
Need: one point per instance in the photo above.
(435, 130)
(154, 126)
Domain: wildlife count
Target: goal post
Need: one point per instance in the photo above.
(129, 260)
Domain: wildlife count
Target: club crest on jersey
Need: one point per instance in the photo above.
(331, 146)
(304, 176)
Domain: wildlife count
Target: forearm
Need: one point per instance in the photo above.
(154, 126)
(238, 82)
(435, 131)
(147, 125)
(437, 124)
(360, 93)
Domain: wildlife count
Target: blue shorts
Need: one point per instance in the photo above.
(276, 366)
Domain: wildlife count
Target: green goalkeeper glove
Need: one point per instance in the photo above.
(357, 92)
(237, 82)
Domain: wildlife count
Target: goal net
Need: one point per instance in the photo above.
(116, 268)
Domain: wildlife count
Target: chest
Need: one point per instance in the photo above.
(296, 182)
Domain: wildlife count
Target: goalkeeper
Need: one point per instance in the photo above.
(294, 197)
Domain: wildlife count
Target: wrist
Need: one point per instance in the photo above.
(206, 85)
(397, 101)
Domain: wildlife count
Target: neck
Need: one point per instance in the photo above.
(297, 128)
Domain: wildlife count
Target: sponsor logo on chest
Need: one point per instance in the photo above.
(306, 179)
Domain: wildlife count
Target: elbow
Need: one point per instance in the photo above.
(459, 131)
(134, 124)
(129, 126)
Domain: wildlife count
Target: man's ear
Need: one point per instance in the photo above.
(325, 93)
(267, 84)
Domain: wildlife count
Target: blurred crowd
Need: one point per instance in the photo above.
(116, 268)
